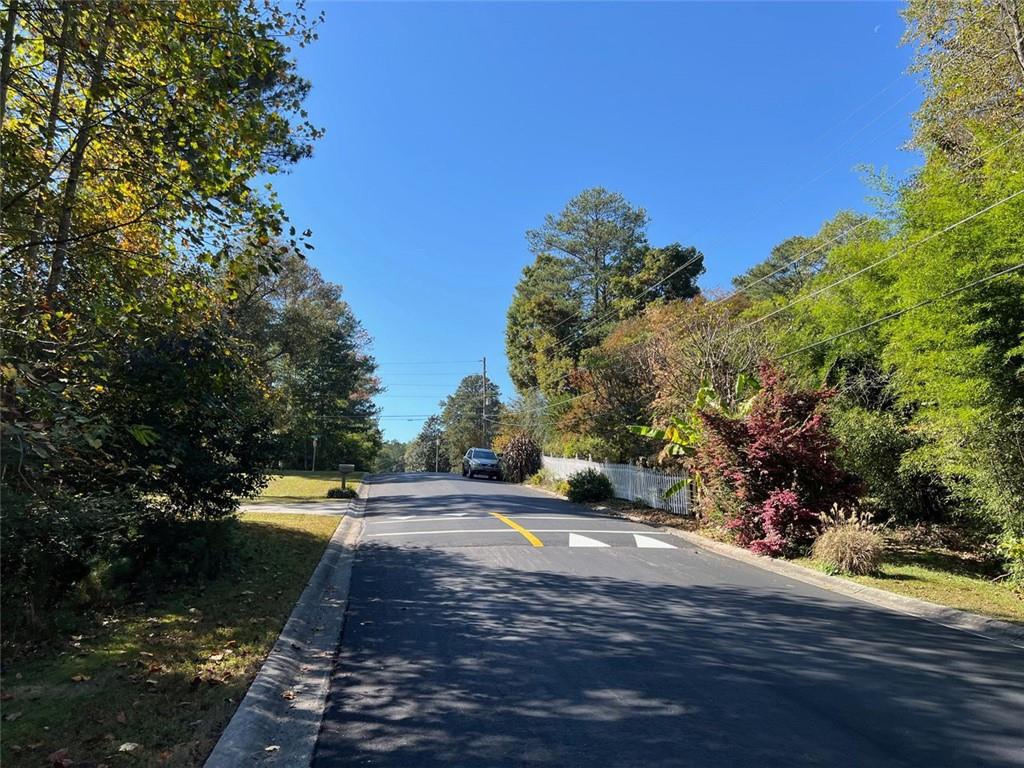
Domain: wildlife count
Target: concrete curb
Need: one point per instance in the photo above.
(965, 621)
(982, 626)
(267, 728)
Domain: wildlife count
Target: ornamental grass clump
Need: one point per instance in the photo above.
(520, 458)
(848, 544)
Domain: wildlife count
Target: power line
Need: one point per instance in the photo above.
(844, 279)
(901, 312)
(817, 292)
(757, 215)
(430, 373)
(647, 290)
(428, 362)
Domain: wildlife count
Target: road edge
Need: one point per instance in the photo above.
(269, 728)
(953, 618)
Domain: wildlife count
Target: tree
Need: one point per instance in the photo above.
(598, 235)
(592, 267)
(528, 414)
(427, 453)
(794, 261)
(462, 416)
(618, 374)
(972, 55)
(133, 136)
(544, 320)
(666, 274)
(321, 377)
(391, 457)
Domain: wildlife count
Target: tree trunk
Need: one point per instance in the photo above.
(1013, 13)
(50, 131)
(75, 171)
(5, 62)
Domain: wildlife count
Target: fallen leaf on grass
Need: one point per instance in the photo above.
(217, 657)
(271, 748)
(80, 678)
(59, 759)
(129, 746)
(13, 716)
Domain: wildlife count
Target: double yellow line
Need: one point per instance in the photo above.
(518, 528)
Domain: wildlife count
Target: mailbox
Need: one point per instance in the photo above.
(345, 469)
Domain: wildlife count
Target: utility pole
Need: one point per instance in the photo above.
(483, 412)
(437, 452)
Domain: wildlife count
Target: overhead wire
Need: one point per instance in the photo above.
(842, 280)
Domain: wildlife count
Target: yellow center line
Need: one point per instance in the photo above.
(517, 527)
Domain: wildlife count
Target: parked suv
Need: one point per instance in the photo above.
(481, 461)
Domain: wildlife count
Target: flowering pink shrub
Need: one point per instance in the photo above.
(779, 462)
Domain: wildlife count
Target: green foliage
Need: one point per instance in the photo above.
(138, 403)
(665, 274)
(341, 493)
(428, 451)
(682, 436)
(520, 458)
(593, 266)
(589, 485)
(580, 446)
(391, 457)
(529, 413)
(314, 352)
(936, 432)
(596, 236)
(462, 417)
(796, 260)
(874, 445)
(538, 478)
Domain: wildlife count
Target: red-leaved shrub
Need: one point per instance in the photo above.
(778, 460)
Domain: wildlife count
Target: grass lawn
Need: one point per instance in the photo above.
(165, 675)
(296, 485)
(927, 571)
(946, 579)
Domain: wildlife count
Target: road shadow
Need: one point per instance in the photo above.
(451, 659)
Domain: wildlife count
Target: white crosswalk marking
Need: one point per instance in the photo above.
(576, 540)
(648, 542)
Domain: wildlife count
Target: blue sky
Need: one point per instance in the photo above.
(454, 127)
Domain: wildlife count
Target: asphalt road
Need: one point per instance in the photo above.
(613, 645)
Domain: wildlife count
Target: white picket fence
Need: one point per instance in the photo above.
(631, 482)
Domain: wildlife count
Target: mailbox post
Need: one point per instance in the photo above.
(345, 469)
